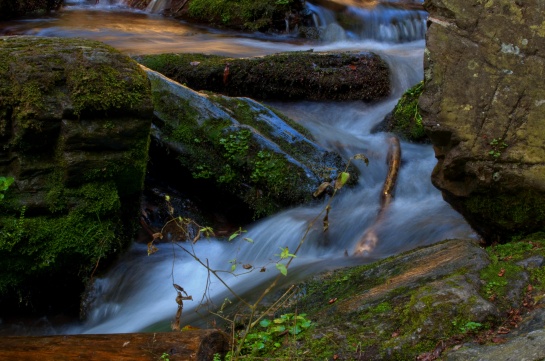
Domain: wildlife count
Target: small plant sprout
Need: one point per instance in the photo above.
(497, 146)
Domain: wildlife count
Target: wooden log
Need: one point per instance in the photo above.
(174, 346)
(370, 239)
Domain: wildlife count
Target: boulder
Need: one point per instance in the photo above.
(75, 120)
(13, 9)
(240, 146)
(304, 75)
(482, 108)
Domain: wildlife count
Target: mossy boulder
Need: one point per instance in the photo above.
(482, 107)
(248, 150)
(10, 9)
(425, 304)
(283, 76)
(75, 120)
(405, 119)
(246, 15)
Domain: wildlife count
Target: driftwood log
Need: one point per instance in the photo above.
(369, 240)
(174, 346)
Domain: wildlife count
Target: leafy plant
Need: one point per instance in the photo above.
(269, 336)
(5, 182)
(468, 327)
(497, 146)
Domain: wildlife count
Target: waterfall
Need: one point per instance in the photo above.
(384, 22)
(157, 6)
(138, 294)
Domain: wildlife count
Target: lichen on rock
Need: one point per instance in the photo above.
(482, 108)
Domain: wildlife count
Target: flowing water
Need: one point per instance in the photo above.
(137, 294)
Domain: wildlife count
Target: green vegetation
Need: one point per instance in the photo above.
(252, 15)
(5, 182)
(497, 146)
(406, 119)
(513, 213)
(80, 114)
(271, 334)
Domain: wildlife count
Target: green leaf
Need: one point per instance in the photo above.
(282, 268)
(286, 253)
(295, 330)
(341, 180)
(279, 329)
(265, 323)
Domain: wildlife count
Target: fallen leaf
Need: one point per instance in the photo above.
(395, 334)
(247, 266)
(335, 357)
(263, 269)
(498, 340)
(530, 288)
(333, 300)
(501, 273)
(194, 63)
(321, 189)
(126, 343)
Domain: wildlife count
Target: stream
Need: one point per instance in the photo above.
(137, 293)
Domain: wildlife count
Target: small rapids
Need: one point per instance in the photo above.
(137, 293)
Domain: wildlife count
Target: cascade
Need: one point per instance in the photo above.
(137, 294)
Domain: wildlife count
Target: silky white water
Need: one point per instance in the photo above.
(137, 294)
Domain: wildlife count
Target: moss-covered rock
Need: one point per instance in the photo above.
(482, 107)
(240, 146)
(75, 120)
(246, 15)
(423, 304)
(283, 76)
(405, 120)
(11, 9)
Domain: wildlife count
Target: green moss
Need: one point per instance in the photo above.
(245, 14)
(406, 119)
(41, 246)
(517, 214)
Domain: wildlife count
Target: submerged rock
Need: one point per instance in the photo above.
(75, 120)
(483, 110)
(284, 76)
(240, 146)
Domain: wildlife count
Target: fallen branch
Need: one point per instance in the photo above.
(369, 240)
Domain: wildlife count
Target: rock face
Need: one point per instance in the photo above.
(75, 120)
(240, 146)
(483, 107)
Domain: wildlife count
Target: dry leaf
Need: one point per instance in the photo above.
(158, 235)
(247, 266)
(321, 189)
(501, 273)
(333, 300)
